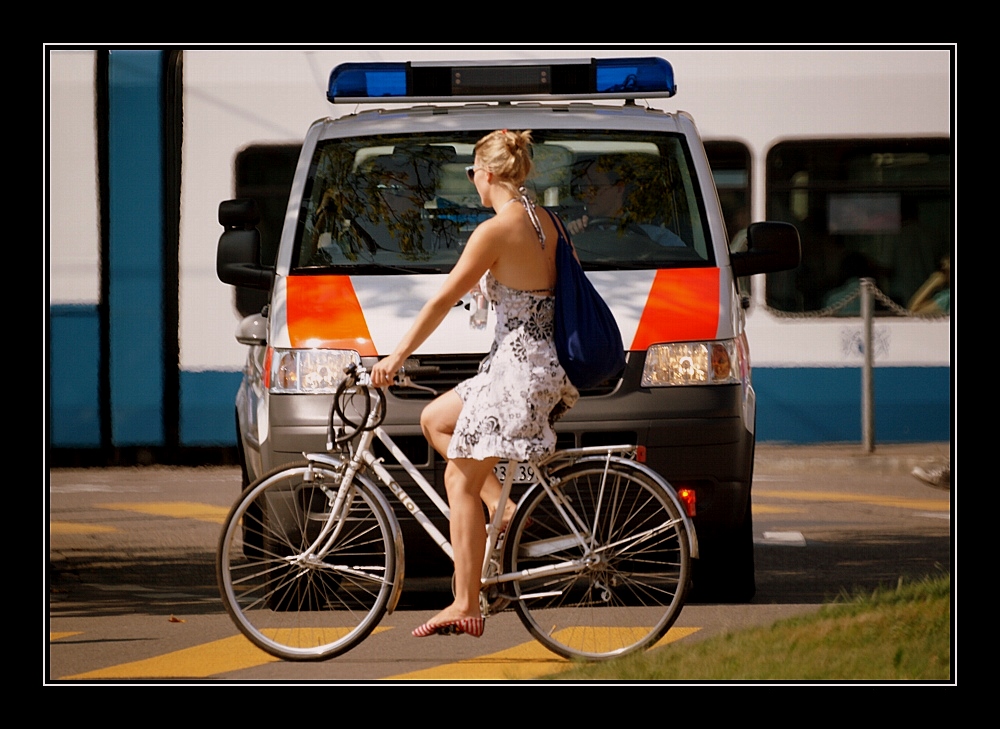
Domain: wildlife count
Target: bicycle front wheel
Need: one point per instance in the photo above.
(300, 605)
(619, 585)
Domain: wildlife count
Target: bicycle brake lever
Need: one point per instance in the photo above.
(405, 381)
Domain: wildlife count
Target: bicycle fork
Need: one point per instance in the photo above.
(317, 551)
(340, 503)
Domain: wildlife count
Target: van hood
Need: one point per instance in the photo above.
(370, 314)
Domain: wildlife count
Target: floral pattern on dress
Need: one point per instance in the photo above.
(509, 408)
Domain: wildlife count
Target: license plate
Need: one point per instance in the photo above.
(523, 472)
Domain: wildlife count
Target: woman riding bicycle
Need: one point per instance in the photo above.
(507, 410)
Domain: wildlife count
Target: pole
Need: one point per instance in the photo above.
(867, 372)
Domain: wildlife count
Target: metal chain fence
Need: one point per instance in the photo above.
(868, 292)
(848, 298)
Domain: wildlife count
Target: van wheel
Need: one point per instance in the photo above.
(724, 571)
(241, 456)
(253, 542)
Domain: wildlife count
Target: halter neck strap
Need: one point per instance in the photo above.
(529, 207)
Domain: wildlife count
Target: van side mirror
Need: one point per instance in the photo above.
(252, 330)
(237, 260)
(771, 247)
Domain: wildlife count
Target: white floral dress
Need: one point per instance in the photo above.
(521, 389)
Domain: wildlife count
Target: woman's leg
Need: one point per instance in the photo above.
(438, 423)
(464, 480)
(438, 420)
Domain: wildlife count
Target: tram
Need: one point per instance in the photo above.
(854, 147)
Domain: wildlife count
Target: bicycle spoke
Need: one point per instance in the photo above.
(294, 596)
(629, 583)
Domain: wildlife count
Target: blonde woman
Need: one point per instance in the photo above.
(506, 411)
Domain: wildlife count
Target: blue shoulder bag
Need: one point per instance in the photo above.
(587, 338)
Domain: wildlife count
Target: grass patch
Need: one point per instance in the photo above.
(900, 634)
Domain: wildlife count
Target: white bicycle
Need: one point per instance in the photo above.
(596, 560)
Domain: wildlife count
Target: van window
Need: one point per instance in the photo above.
(401, 204)
(730, 163)
(872, 208)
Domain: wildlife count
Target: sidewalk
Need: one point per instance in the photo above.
(884, 458)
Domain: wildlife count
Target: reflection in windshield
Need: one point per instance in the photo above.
(406, 203)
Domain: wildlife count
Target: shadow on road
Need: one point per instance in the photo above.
(846, 563)
(100, 585)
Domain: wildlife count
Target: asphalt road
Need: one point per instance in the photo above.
(131, 592)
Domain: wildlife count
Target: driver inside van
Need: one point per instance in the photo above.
(604, 193)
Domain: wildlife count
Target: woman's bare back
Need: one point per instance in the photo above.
(524, 263)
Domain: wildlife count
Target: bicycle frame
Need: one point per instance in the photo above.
(362, 456)
(596, 560)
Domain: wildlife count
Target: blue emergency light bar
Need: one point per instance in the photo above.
(621, 78)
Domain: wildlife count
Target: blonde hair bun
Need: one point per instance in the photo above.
(507, 154)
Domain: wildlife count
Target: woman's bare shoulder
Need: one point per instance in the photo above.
(488, 234)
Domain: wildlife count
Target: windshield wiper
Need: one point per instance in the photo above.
(366, 269)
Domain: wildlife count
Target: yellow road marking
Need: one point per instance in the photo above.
(176, 509)
(70, 527)
(201, 661)
(902, 503)
(527, 660)
(768, 509)
(59, 635)
(228, 654)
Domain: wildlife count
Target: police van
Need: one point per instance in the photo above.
(380, 208)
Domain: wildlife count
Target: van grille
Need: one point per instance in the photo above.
(455, 368)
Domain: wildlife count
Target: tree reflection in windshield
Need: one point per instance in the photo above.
(406, 203)
(380, 204)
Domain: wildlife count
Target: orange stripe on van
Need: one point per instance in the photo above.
(683, 305)
(324, 313)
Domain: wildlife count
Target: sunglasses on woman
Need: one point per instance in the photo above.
(470, 172)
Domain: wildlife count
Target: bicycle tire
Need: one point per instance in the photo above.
(629, 594)
(317, 609)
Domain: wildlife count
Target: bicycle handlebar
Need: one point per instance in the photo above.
(416, 372)
(356, 376)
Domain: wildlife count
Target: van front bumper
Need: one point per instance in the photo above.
(696, 437)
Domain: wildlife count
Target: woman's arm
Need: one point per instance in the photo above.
(479, 255)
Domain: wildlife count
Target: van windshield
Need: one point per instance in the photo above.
(405, 204)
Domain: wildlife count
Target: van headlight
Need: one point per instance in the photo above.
(308, 371)
(692, 363)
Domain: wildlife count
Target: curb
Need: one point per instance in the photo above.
(840, 457)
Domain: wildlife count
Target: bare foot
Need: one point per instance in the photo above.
(451, 614)
(508, 514)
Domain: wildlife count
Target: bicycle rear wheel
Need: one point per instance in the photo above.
(305, 608)
(623, 593)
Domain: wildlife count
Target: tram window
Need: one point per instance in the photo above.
(264, 173)
(730, 163)
(878, 208)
